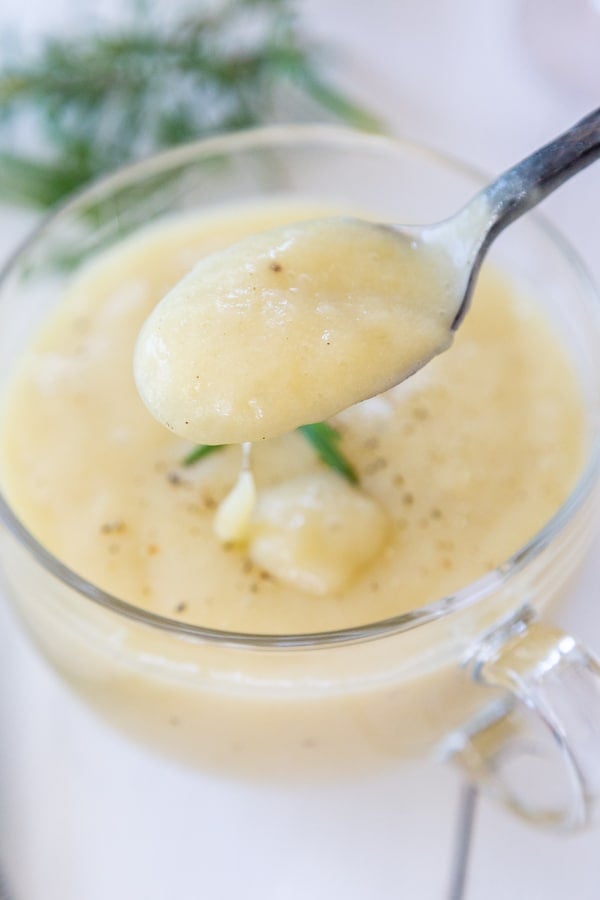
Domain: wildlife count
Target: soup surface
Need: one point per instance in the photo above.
(458, 466)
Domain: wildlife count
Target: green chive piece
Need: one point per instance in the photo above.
(200, 452)
(325, 440)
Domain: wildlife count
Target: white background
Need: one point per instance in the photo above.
(84, 815)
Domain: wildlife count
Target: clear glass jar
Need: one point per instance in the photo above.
(466, 676)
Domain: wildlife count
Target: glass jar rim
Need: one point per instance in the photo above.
(468, 595)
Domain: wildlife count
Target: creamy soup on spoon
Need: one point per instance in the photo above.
(291, 326)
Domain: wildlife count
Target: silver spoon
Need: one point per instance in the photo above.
(467, 235)
(261, 302)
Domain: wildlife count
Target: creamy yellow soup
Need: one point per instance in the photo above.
(291, 326)
(457, 466)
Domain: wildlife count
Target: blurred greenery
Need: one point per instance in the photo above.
(105, 96)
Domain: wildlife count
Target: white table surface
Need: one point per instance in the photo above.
(84, 815)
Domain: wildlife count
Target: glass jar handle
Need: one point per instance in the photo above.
(537, 745)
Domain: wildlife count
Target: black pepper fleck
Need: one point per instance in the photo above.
(376, 466)
(420, 413)
(117, 526)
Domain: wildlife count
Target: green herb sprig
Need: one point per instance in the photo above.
(200, 452)
(104, 97)
(326, 440)
(323, 438)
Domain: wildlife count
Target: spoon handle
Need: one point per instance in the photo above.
(531, 180)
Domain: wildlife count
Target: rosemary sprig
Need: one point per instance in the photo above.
(102, 98)
(323, 438)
